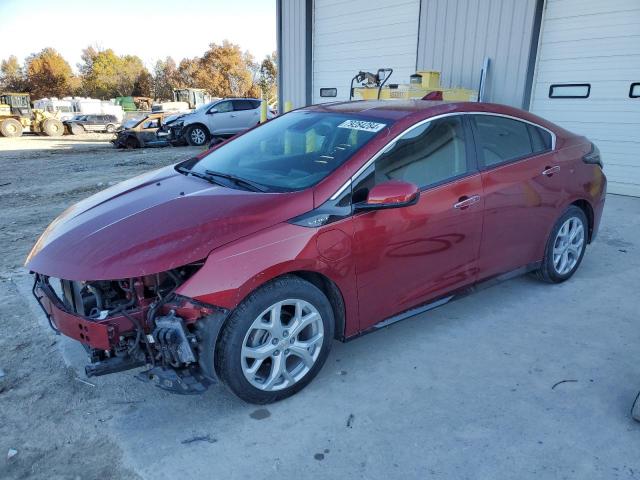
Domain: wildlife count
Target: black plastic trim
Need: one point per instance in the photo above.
(555, 85)
(631, 88)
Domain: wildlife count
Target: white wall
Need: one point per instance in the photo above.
(456, 36)
(292, 54)
(595, 42)
(354, 35)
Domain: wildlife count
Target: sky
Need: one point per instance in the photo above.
(151, 29)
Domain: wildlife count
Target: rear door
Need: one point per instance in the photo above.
(522, 180)
(247, 113)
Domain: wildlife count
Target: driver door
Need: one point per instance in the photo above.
(221, 118)
(412, 255)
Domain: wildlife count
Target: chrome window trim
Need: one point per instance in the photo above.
(422, 122)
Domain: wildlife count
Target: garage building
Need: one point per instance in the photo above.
(575, 62)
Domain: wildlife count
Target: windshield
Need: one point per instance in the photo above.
(292, 152)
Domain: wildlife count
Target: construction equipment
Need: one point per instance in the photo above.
(195, 97)
(17, 116)
(423, 85)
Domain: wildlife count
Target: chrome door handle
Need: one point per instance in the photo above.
(548, 171)
(464, 202)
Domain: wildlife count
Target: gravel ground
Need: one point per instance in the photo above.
(47, 415)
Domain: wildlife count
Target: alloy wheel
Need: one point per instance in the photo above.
(198, 137)
(568, 245)
(282, 345)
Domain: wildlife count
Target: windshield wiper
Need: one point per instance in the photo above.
(254, 186)
(208, 178)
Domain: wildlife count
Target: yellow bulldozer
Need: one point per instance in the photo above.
(17, 116)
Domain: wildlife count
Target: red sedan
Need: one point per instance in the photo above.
(244, 263)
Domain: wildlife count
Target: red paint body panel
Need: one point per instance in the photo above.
(383, 262)
(152, 223)
(410, 255)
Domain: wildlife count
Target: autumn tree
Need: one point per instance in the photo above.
(11, 75)
(224, 70)
(268, 79)
(48, 74)
(106, 74)
(165, 78)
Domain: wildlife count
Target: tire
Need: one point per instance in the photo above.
(197, 135)
(110, 128)
(557, 251)
(76, 129)
(131, 143)
(10, 128)
(52, 127)
(290, 361)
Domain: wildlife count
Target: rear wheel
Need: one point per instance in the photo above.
(565, 247)
(197, 135)
(52, 127)
(10, 127)
(276, 341)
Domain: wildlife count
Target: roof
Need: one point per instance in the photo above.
(390, 109)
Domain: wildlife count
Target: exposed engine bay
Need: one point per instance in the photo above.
(134, 322)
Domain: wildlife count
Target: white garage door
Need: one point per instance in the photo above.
(354, 35)
(596, 45)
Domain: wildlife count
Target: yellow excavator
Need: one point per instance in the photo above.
(17, 116)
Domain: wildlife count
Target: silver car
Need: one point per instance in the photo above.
(220, 118)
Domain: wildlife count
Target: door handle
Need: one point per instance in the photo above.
(465, 202)
(549, 171)
(233, 115)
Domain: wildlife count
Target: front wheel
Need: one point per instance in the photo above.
(110, 128)
(52, 127)
(197, 136)
(276, 341)
(565, 247)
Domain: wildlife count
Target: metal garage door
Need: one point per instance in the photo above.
(362, 35)
(594, 44)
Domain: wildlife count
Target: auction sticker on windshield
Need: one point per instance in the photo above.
(362, 125)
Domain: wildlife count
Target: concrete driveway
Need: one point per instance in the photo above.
(522, 380)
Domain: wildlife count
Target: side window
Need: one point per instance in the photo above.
(239, 105)
(154, 123)
(540, 139)
(428, 155)
(224, 107)
(500, 139)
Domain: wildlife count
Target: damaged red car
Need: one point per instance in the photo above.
(243, 264)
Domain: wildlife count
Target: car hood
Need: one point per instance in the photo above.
(152, 223)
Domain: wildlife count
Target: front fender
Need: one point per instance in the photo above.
(233, 271)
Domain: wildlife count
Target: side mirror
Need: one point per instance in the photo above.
(391, 194)
(213, 110)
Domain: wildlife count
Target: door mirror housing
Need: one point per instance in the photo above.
(212, 110)
(391, 194)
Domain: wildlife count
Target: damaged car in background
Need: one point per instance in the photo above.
(244, 263)
(141, 132)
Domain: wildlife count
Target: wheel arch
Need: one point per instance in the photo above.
(586, 207)
(197, 124)
(333, 294)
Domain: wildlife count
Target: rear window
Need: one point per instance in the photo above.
(245, 104)
(540, 139)
(501, 139)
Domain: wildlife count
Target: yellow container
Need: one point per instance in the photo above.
(427, 79)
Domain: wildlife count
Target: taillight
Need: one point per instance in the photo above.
(593, 156)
